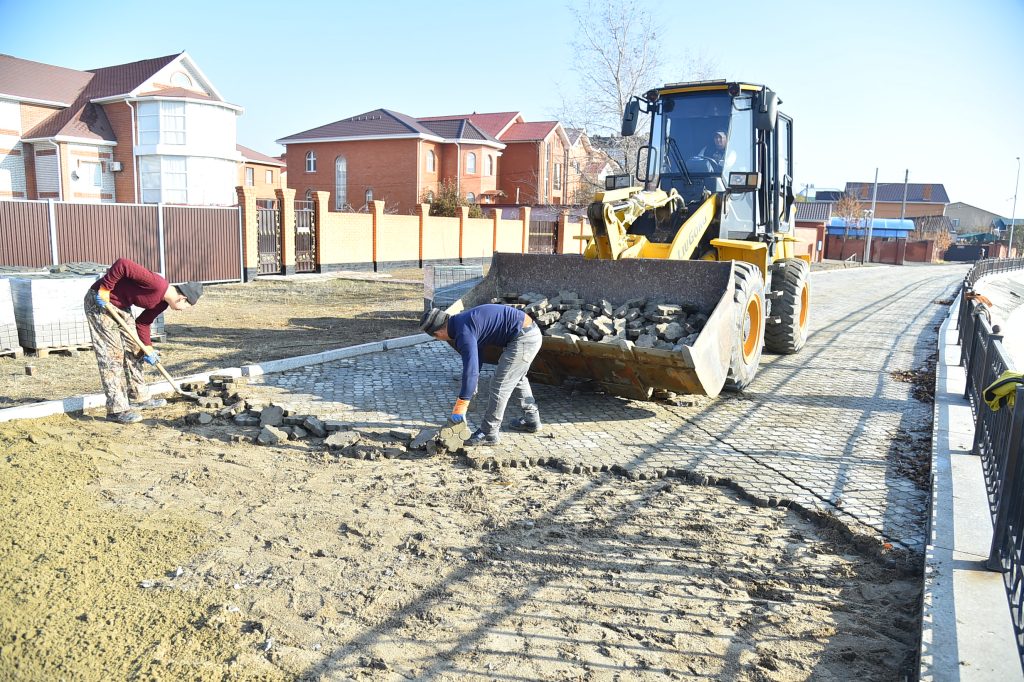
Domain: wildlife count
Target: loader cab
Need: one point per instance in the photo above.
(728, 139)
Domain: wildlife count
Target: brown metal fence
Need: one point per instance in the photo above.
(102, 233)
(25, 234)
(186, 243)
(543, 236)
(201, 244)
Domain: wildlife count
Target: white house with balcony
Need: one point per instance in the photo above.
(153, 131)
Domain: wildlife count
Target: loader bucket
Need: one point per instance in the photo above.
(625, 371)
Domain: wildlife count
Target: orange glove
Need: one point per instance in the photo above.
(459, 411)
(103, 297)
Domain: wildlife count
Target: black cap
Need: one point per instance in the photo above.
(190, 290)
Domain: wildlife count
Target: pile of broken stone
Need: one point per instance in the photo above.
(226, 396)
(637, 322)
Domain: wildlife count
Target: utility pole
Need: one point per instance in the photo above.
(871, 221)
(903, 207)
(1013, 216)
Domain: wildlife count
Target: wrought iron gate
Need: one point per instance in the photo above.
(543, 235)
(305, 237)
(268, 237)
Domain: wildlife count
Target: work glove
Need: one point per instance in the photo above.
(459, 411)
(102, 297)
(150, 355)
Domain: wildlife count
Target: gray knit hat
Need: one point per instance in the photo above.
(190, 290)
(433, 320)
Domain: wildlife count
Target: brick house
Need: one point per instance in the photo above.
(966, 218)
(146, 132)
(388, 156)
(922, 198)
(261, 172)
(586, 168)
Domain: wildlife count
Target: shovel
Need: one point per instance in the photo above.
(130, 330)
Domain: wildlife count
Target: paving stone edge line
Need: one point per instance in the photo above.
(79, 403)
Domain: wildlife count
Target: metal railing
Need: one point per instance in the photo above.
(998, 437)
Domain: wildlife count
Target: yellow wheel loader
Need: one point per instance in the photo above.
(706, 221)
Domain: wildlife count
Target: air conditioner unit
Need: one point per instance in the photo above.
(114, 166)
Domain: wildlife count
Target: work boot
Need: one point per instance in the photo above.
(479, 438)
(126, 417)
(150, 404)
(524, 425)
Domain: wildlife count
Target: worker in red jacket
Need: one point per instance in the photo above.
(124, 285)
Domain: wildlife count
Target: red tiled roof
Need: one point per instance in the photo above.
(492, 123)
(86, 120)
(255, 157)
(525, 132)
(32, 80)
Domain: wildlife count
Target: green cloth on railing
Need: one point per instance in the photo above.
(1003, 390)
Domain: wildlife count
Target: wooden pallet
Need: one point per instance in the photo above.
(11, 352)
(70, 351)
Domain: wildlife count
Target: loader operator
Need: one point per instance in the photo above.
(491, 325)
(126, 284)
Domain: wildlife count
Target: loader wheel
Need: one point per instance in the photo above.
(791, 276)
(748, 330)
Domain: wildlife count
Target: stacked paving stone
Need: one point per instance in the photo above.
(638, 322)
(49, 311)
(8, 323)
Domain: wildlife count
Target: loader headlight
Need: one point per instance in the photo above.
(618, 181)
(744, 182)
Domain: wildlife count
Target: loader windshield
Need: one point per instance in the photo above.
(691, 134)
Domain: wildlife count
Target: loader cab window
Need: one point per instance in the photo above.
(693, 134)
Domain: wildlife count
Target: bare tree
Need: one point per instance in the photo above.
(619, 54)
(851, 211)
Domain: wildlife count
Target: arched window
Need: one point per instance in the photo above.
(430, 196)
(309, 195)
(340, 183)
(369, 196)
(311, 162)
(490, 164)
(470, 197)
(471, 163)
(431, 161)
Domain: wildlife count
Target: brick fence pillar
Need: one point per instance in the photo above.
(422, 210)
(321, 204)
(495, 215)
(463, 216)
(250, 233)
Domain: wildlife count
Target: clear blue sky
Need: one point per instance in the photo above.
(930, 86)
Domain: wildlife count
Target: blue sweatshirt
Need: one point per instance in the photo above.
(491, 324)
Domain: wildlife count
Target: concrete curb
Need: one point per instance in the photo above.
(92, 400)
(966, 630)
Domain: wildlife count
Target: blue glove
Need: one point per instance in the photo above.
(99, 301)
(152, 359)
(457, 418)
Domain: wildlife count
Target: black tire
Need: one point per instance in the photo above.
(791, 276)
(748, 327)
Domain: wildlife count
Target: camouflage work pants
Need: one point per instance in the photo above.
(117, 356)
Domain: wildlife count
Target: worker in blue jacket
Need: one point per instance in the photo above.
(491, 325)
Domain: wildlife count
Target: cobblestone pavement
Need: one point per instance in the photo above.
(834, 431)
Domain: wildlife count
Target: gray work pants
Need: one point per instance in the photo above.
(509, 377)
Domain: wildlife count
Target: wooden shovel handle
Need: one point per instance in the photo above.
(130, 330)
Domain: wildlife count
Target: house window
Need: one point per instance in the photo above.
(470, 197)
(250, 177)
(490, 164)
(270, 177)
(471, 163)
(369, 196)
(311, 162)
(181, 79)
(90, 173)
(430, 196)
(431, 161)
(309, 195)
(161, 123)
(558, 176)
(340, 183)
